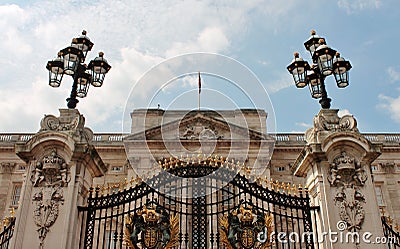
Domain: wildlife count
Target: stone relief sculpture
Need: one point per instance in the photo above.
(48, 177)
(200, 131)
(51, 122)
(334, 123)
(347, 175)
(74, 125)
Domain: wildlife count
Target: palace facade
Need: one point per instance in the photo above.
(346, 174)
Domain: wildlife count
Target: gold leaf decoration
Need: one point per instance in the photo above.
(174, 230)
(223, 230)
(269, 223)
(127, 232)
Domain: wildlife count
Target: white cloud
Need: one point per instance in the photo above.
(352, 6)
(33, 34)
(135, 35)
(394, 74)
(281, 83)
(391, 105)
(211, 39)
(305, 125)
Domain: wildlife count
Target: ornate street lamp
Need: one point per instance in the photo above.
(70, 61)
(326, 61)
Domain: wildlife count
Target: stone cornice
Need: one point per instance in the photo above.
(295, 139)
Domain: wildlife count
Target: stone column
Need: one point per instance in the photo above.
(336, 165)
(6, 170)
(61, 166)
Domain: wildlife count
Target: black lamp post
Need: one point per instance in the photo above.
(70, 61)
(326, 62)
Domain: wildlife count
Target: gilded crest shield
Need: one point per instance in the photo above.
(247, 237)
(151, 237)
(154, 226)
(240, 228)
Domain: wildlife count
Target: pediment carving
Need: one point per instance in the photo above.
(199, 131)
(198, 127)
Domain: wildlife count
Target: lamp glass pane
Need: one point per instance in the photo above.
(55, 79)
(342, 79)
(98, 79)
(325, 64)
(300, 79)
(70, 67)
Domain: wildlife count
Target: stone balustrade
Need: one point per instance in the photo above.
(281, 138)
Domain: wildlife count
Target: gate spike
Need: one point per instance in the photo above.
(12, 212)
(294, 189)
(90, 192)
(132, 181)
(288, 188)
(266, 182)
(390, 221)
(277, 185)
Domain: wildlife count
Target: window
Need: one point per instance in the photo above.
(374, 167)
(16, 194)
(116, 169)
(379, 195)
(280, 168)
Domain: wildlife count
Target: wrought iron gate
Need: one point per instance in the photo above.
(221, 214)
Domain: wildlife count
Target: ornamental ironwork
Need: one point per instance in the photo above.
(117, 213)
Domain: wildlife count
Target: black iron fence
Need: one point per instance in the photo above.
(392, 236)
(7, 233)
(219, 214)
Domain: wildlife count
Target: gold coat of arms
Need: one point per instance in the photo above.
(241, 227)
(151, 228)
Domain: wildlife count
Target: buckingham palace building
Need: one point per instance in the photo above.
(199, 179)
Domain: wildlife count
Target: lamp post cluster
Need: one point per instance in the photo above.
(326, 61)
(70, 61)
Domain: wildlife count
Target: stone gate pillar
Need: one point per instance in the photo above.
(336, 164)
(61, 165)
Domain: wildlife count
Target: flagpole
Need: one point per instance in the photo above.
(199, 92)
(199, 101)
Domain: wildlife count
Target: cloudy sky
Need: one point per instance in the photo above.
(138, 35)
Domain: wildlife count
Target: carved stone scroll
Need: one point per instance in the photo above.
(334, 123)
